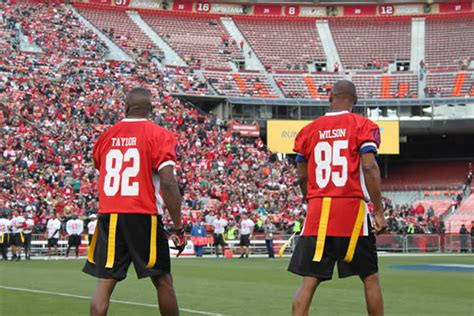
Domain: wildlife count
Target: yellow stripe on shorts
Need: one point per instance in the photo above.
(90, 252)
(22, 238)
(152, 259)
(1, 238)
(322, 229)
(355, 233)
(111, 241)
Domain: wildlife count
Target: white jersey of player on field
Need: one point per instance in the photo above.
(91, 227)
(219, 226)
(17, 223)
(53, 227)
(246, 226)
(4, 223)
(29, 223)
(74, 227)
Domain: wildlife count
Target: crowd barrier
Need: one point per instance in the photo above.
(450, 243)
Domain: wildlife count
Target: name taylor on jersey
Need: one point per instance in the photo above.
(124, 141)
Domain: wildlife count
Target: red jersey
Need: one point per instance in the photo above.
(128, 157)
(332, 145)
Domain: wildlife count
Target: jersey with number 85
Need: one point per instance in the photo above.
(128, 157)
(332, 146)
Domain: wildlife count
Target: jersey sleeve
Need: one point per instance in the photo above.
(368, 137)
(301, 145)
(164, 146)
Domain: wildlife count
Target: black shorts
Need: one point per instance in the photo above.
(27, 243)
(219, 239)
(245, 240)
(17, 240)
(121, 239)
(74, 240)
(364, 262)
(52, 242)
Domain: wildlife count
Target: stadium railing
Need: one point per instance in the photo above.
(417, 243)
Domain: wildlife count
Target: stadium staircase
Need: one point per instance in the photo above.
(463, 215)
(332, 56)
(417, 43)
(313, 90)
(251, 61)
(171, 57)
(239, 82)
(28, 46)
(385, 90)
(115, 52)
(458, 84)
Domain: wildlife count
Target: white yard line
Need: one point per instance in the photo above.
(114, 301)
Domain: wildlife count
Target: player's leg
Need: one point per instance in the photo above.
(373, 294)
(69, 243)
(304, 296)
(167, 300)
(101, 299)
(223, 246)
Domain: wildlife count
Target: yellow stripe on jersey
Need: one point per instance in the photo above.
(355, 233)
(152, 259)
(90, 252)
(322, 229)
(22, 238)
(111, 241)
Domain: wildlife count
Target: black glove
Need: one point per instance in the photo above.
(177, 237)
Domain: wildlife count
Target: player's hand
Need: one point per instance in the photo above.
(177, 237)
(380, 223)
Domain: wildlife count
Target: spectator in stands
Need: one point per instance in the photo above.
(198, 231)
(336, 67)
(430, 212)
(269, 228)
(421, 70)
(463, 238)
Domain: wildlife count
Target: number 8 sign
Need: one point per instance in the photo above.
(292, 11)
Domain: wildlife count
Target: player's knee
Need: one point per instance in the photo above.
(372, 279)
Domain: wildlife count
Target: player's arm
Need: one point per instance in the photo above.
(171, 195)
(302, 172)
(373, 182)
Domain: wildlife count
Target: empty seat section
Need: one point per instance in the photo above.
(283, 44)
(121, 29)
(361, 41)
(448, 40)
(199, 40)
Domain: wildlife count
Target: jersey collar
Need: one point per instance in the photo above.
(336, 113)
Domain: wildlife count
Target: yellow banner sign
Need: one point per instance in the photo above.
(281, 136)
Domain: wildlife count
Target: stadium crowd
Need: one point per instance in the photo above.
(53, 107)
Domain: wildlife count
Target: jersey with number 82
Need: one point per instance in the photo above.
(332, 146)
(128, 157)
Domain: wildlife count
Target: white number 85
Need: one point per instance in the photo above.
(332, 156)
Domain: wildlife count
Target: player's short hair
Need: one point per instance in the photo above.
(138, 93)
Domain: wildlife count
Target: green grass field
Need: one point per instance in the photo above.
(239, 287)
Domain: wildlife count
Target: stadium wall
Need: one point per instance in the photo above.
(289, 10)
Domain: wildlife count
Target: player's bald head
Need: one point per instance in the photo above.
(343, 94)
(138, 102)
